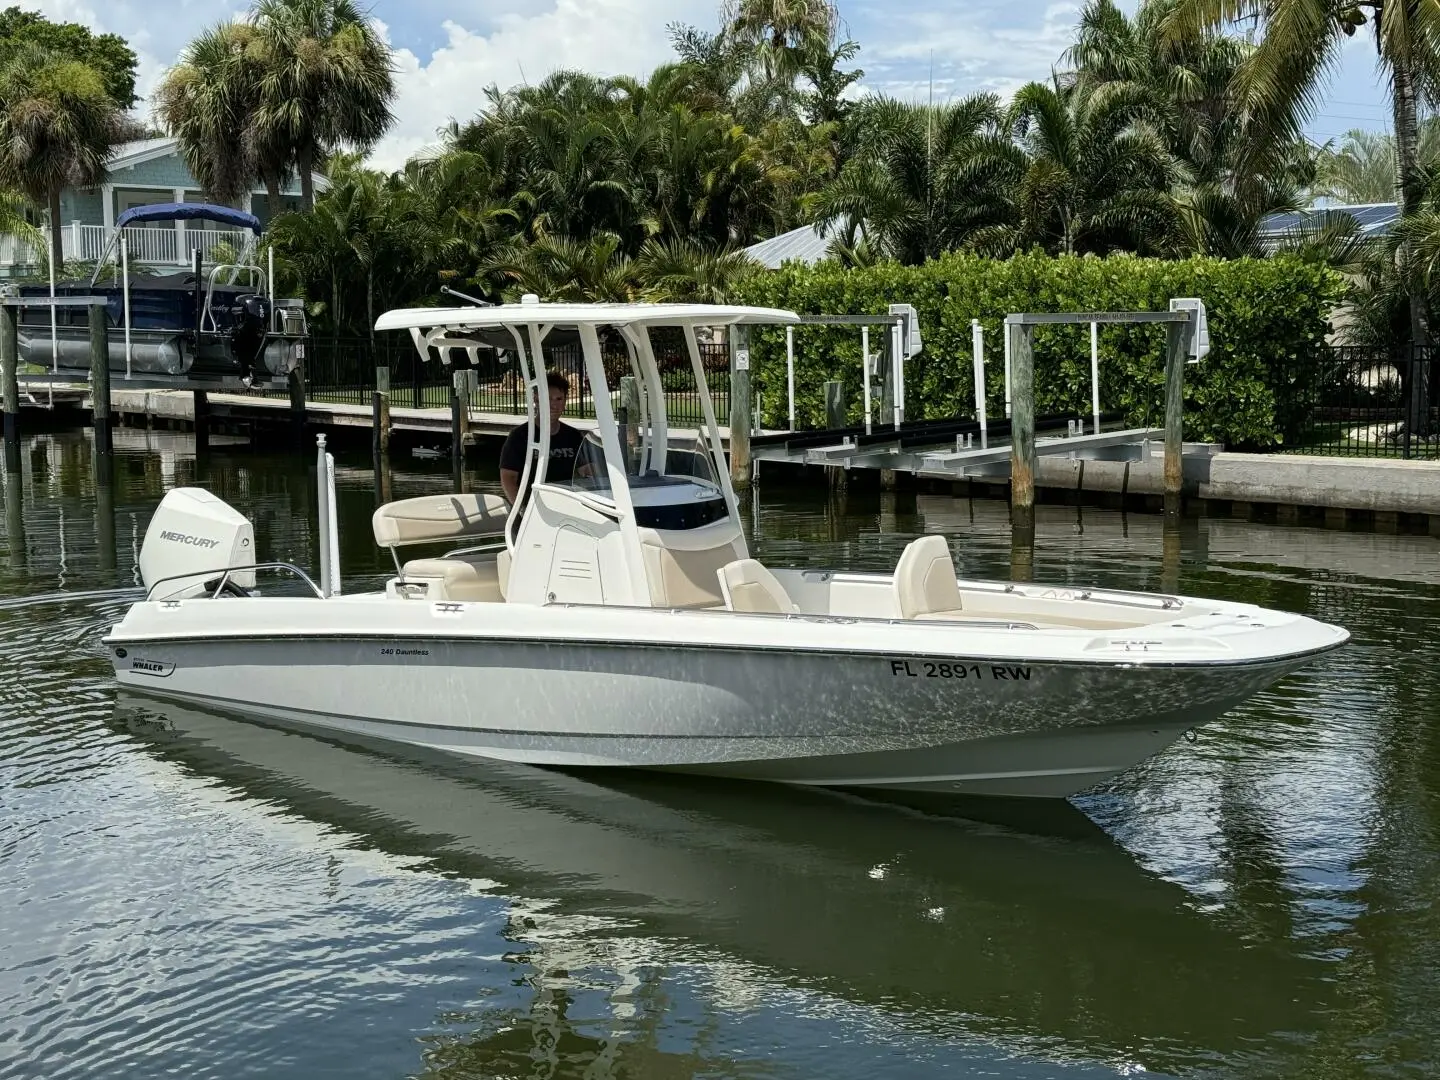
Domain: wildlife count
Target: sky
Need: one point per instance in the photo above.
(448, 51)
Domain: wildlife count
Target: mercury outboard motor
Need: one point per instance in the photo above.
(192, 539)
(249, 328)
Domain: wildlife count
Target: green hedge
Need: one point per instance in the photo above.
(1267, 318)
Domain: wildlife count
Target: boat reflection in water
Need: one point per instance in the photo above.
(1036, 944)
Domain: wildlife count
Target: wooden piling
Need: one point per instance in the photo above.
(9, 377)
(380, 413)
(835, 418)
(296, 382)
(1177, 345)
(1022, 425)
(628, 417)
(458, 417)
(100, 377)
(740, 416)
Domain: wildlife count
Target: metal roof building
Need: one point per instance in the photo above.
(1374, 219)
(804, 244)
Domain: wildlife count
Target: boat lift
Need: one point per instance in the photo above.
(981, 448)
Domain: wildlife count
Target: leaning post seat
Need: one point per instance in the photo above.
(432, 518)
(454, 518)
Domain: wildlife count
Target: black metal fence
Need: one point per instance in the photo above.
(343, 371)
(1369, 402)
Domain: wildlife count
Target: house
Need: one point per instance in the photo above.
(142, 173)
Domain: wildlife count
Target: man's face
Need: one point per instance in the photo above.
(557, 402)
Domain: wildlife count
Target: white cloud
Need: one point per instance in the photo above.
(969, 49)
(606, 37)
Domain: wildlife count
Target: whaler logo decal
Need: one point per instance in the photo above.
(196, 541)
(151, 667)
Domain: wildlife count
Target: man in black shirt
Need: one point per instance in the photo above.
(565, 442)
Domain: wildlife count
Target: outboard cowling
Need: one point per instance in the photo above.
(197, 536)
(249, 328)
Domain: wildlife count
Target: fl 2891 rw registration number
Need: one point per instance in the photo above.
(939, 669)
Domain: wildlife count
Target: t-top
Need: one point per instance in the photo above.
(564, 445)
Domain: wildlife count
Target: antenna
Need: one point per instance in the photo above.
(930, 157)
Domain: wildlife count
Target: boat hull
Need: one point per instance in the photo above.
(877, 721)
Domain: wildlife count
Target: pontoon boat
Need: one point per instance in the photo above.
(619, 620)
(217, 320)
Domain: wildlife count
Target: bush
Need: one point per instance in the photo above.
(1268, 320)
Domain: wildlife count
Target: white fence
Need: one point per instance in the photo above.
(162, 246)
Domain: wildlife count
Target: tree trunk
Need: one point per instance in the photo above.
(1408, 181)
(370, 300)
(57, 231)
(272, 196)
(305, 160)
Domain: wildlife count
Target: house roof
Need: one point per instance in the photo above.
(129, 154)
(804, 244)
(141, 150)
(1373, 219)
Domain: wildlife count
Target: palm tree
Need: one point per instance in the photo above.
(782, 33)
(58, 126)
(1362, 170)
(327, 82)
(559, 268)
(209, 102)
(1280, 82)
(923, 180)
(1097, 174)
(683, 271)
(15, 223)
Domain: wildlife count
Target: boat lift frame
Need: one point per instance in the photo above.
(1187, 340)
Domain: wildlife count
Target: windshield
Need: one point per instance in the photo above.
(687, 461)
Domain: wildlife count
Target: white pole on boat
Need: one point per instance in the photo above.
(329, 539)
(125, 285)
(865, 364)
(1008, 324)
(790, 371)
(334, 529)
(1095, 374)
(270, 283)
(977, 341)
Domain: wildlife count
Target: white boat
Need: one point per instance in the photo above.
(619, 620)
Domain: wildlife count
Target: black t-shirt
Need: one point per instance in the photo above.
(564, 445)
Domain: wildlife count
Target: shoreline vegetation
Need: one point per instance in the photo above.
(1142, 169)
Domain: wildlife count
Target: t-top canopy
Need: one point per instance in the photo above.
(528, 312)
(223, 215)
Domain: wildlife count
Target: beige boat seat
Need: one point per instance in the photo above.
(747, 586)
(432, 518)
(457, 579)
(925, 583)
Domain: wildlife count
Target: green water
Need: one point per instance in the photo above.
(188, 894)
